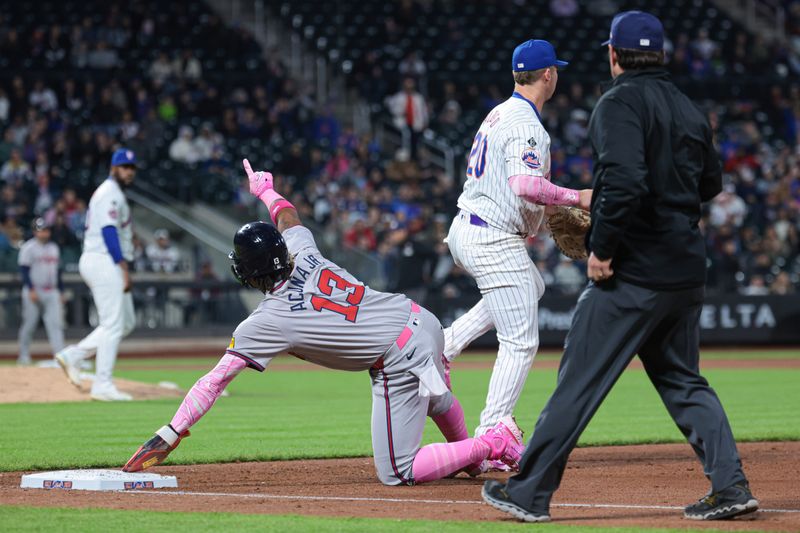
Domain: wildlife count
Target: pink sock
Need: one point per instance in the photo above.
(435, 461)
(451, 423)
(205, 392)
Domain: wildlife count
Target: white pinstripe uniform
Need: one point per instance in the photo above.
(107, 207)
(487, 238)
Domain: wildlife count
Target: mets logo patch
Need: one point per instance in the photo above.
(531, 158)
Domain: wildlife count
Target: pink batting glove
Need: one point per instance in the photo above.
(260, 182)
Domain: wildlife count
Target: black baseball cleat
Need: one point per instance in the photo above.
(736, 500)
(494, 493)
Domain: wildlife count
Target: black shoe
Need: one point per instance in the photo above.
(494, 493)
(734, 501)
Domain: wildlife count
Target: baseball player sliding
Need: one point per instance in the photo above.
(41, 291)
(316, 311)
(107, 248)
(507, 184)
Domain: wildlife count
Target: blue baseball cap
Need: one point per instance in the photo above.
(533, 55)
(636, 30)
(123, 156)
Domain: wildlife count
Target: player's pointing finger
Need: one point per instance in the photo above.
(247, 167)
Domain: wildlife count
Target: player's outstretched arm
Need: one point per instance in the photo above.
(196, 403)
(283, 213)
(543, 192)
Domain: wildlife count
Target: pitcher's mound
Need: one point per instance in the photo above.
(44, 385)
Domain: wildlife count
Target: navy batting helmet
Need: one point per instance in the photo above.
(260, 256)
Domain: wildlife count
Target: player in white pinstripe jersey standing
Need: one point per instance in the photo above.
(506, 187)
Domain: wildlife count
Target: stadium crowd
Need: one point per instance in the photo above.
(57, 134)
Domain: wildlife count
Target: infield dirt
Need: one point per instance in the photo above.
(632, 481)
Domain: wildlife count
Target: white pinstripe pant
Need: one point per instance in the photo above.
(511, 287)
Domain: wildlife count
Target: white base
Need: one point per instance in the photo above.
(96, 480)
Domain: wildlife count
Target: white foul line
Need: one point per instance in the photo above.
(409, 500)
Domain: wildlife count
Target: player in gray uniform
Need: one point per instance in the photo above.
(41, 292)
(315, 310)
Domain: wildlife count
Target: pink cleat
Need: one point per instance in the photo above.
(499, 466)
(505, 439)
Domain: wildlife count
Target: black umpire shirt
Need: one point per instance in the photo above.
(654, 163)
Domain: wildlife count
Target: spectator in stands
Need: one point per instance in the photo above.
(43, 98)
(162, 255)
(360, 236)
(576, 129)
(161, 69)
(207, 142)
(703, 47)
(44, 195)
(7, 145)
(727, 267)
(12, 231)
(76, 219)
(204, 305)
(183, 148)
(102, 57)
(563, 8)
(5, 107)
(16, 171)
(412, 66)
(756, 287)
(167, 109)
(727, 208)
(187, 66)
(782, 284)
(568, 277)
(414, 260)
(451, 108)
(410, 112)
(140, 262)
(326, 129)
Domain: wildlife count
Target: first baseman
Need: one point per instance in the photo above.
(654, 164)
(42, 291)
(507, 176)
(317, 311)
(107, 248)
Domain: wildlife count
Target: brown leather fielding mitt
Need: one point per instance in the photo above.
(569, 226)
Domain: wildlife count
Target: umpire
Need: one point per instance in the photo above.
(654, 163)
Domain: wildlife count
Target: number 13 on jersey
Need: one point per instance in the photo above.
(476, 164)
(327, 281)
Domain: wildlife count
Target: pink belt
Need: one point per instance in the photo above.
(403, 338)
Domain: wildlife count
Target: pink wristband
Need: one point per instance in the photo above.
(275, 203)
(541, 191)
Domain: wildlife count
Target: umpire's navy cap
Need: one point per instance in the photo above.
(533, 55)
(123, 156)
(636, 30)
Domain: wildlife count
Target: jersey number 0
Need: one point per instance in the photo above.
(327, 281)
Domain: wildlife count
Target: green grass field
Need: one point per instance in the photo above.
(272, 415)
(98, 520)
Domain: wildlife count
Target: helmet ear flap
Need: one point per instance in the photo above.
(235, 269)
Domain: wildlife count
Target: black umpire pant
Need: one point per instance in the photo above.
(613, 322)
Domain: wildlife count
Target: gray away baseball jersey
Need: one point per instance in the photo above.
(43, 260)
(322, 314)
